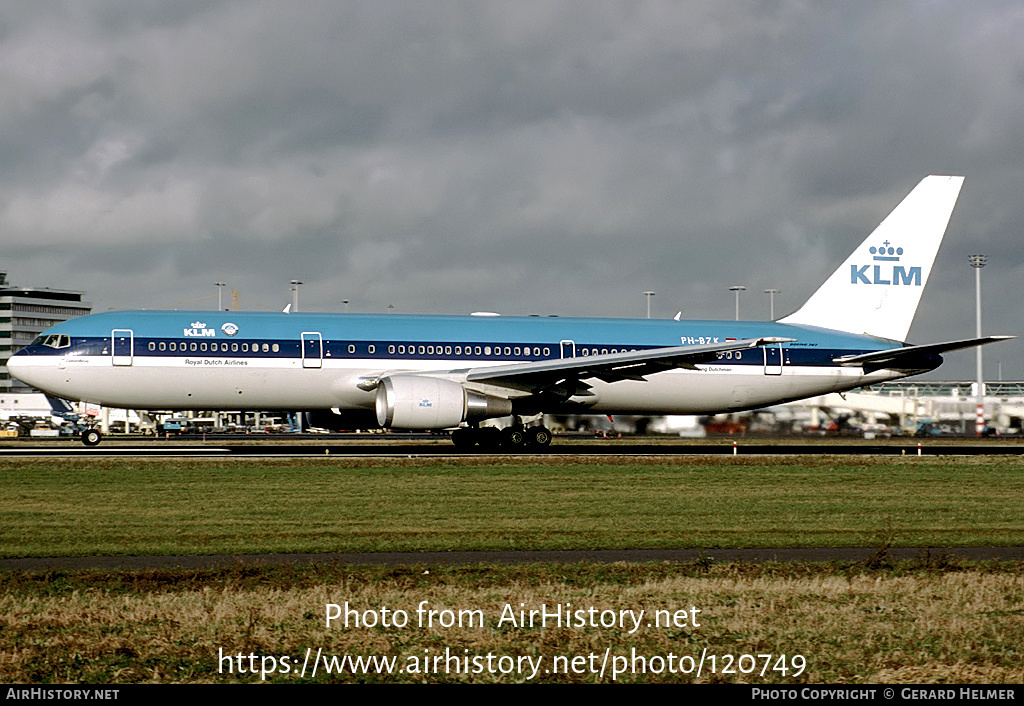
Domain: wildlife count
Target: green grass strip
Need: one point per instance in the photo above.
(145, 506)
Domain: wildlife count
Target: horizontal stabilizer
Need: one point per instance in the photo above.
(898, 358)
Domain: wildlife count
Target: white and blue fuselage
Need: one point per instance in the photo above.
(443, 372)
(242, 360)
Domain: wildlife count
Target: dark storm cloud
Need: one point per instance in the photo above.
(549, 157)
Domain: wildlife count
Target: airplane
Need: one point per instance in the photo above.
(28, 408)
(430, 372)
(34, 404)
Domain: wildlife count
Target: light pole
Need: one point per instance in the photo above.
(220, 291)
(345, 302)
(977, 262)
(737, 288)
(771, 302)
(648, 295)
(295, 294)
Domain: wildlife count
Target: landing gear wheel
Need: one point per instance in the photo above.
(513, 437)
(538, 436)
(91, 437)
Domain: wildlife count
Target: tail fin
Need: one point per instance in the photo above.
(877, 290)
(59, 406)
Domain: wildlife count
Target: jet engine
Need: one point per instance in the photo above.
(421, 402)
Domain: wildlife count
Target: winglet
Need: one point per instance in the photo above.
(877, 290)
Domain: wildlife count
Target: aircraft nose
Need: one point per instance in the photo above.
(20, 366)
(14, 363)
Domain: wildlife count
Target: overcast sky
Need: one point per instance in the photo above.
(521, 157)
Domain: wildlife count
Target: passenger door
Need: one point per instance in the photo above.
(773, 359)
(312, 349)
(122, 346)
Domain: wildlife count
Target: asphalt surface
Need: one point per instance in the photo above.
(341, 446)
(426, 559)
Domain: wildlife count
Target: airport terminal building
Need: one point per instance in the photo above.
(25, 312)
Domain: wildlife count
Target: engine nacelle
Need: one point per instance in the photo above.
(421, 402)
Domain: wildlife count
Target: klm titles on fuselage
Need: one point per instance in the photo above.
(200, 330)
(876, 274)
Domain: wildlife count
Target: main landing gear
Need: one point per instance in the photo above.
(515, 437)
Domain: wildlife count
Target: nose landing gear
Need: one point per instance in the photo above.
(91, 437)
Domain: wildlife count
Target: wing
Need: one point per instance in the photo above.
(548, 375)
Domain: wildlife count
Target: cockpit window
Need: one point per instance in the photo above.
(53, 340)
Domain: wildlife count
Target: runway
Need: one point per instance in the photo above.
(347, 446)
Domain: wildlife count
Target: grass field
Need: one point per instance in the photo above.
(934, 620)
(133, 506)
(910, 623)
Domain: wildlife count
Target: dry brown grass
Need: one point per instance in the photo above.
(853, 625)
